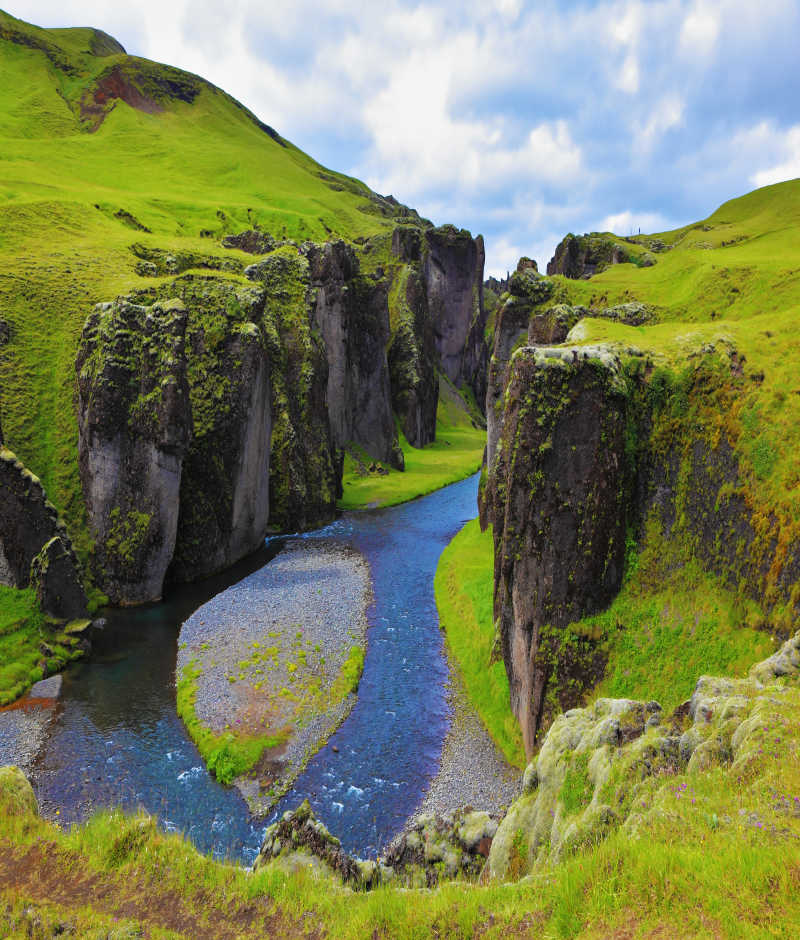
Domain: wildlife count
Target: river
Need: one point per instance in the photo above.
(115, 738)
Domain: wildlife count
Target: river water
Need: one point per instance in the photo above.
(115, 739)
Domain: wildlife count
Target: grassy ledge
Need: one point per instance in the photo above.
(24, 633)
(691, 876)
(456, 454)
(463, 588)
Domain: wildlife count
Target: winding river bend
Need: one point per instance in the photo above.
(115, 739)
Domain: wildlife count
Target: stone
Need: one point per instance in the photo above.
(29, 523)
(54, 576)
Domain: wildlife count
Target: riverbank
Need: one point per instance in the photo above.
(456, 454)
(464, 587)
(268, 669)
(472, 771)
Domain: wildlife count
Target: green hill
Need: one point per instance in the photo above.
(101, 150)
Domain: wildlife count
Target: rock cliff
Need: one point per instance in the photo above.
(453, 274)
(134, 423)
(34, 546)
(215, 405)
(351, 313)
(556, 495)
(581, 256)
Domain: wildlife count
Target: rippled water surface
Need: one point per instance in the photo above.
(117, 741)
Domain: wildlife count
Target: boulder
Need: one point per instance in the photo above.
(34, 542)
(54, 575)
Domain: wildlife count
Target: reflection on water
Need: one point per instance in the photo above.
(117, 741)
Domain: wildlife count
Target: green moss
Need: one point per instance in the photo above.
(227, 755)
(127, 535)
(577, 789)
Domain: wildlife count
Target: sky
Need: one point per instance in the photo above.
(521, 121)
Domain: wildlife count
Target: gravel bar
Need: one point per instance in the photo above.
(269, 649)
(473, 771)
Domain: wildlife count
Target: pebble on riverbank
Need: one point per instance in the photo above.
(273, 656)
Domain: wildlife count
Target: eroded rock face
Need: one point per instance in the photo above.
(431, 848)
(54, 574)
(556, 495)
(224, 492)
(453, 274)
(527, 290)
(610, 766)
(304, 468)
(581, 256)
(134, 422)
(351, 312)
(33, 541)
(412, 362)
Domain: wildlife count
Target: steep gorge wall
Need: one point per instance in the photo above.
(557, 500)
(585, 449)
(214, 406)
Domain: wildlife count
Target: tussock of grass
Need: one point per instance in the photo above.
(463, 586)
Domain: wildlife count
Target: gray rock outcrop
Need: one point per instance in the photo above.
(556, 495)
(34, 545)
(134, 422)
(351, 313)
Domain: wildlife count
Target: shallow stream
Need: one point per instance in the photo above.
(116, 740)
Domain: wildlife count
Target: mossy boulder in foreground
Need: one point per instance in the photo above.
(614, 765)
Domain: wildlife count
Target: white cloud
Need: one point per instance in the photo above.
(789, 167)
(631, 223)
(520, 120)
(665, 114)
(700, 29)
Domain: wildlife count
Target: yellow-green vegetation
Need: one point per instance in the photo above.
(454, 455)
(464, 590)
(23, 631)
(227, 755)
(670, 623)
(693, 875)
(237, 750)
(726, 295)
(73, 203)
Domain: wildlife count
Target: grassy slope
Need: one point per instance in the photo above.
(693, 875)
(671, 621)
(455, 454)
(464, 588)
(204, 166)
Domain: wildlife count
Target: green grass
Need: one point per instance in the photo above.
(21, 627)
(227, 755)
(693, 875)
(23, 631)
(200, 167)
(456, 453)
(464, 587)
